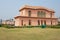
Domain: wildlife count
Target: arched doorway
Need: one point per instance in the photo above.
(45, 22)
(41, 22)
(22, 22)
(38, 22)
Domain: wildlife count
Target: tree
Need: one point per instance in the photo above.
(0, 21)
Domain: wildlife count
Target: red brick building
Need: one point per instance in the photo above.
(35, 15)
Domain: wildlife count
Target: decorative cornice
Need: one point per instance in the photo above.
(32, 17)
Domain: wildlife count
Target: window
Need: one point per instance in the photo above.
(41, 14)
(29, 22)
(29, 13)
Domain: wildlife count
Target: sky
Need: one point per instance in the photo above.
(10, 8)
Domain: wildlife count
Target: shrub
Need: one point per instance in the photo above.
(29, 26)
(53, 26)
(0, 25)
(57, 26)
(8, 26)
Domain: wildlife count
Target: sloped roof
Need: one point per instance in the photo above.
(36, 7)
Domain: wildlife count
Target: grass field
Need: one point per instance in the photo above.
(29, 34)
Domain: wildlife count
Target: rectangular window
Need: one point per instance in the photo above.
(29, 13)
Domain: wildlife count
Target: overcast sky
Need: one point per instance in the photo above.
(10, 8)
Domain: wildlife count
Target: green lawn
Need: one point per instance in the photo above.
(29, 34)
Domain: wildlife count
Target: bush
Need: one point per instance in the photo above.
(8, 26)
(53, 26)
(27, 26)
(33, 26)
(0, 25)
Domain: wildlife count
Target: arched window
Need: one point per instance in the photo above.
(51, 15)
(22, 22)
(41, 22)
(51, 22)
(29, 13)
(38, 22)
(45, 22)
(41, 14)
(29, 22)
(38, 14)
